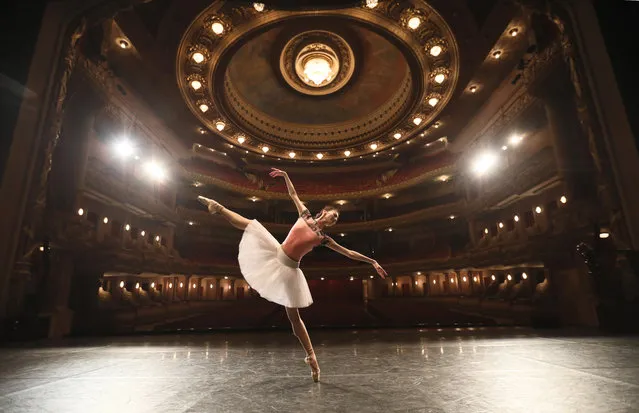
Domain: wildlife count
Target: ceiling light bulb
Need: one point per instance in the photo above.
(265, 149)
(196, 84)
(497, 54)
(510, 277)
(563, 199)
(219, 125)
(433, 101)
(436, 50)
(319, 156)
(417, 120)
(347, 153)
(538, 210)
(137, 286)
(501, 225)
(258, 7)
(198, 57)
(434, 282)
(516, 218)
(291, 155)
(414, 22)
(485, 230)
(142, 233)
(373, 146)
(397, 135)
(524, 275)
(440, 78)
(80, 211)
(371, 4)
(217, 27)
(492, 277)
(121, 284)
(504, 148)
(604, 235)
(514, 32)
(204, 107)
(105, 220)
(241, 139)
(452, 217)
(473, 89)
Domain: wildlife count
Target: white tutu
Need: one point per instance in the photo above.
(269, 271)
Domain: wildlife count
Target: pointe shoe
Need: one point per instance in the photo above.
(315, 370)
(213, 206)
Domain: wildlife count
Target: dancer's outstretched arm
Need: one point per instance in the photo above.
(354, 255)
(291, 189)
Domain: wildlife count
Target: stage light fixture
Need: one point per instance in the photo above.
(484, 163)
(155, 171)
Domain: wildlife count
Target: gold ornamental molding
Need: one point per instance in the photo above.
(419, 28)
(245, 190)
(436, 212)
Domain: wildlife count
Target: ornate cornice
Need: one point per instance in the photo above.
(436, 212)
(351, 134)
(246, 190)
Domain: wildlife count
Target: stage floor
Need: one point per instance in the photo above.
(470, 370)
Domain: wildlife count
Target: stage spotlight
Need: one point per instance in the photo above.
(515, 140)
(123, 148)
(483, 163)
(155, 171)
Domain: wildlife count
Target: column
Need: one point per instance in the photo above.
(570, 146)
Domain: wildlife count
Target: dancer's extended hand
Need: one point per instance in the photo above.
(379, 270)
(276, 172)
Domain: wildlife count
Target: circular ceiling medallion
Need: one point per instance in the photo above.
(271, 77)
(317, 62)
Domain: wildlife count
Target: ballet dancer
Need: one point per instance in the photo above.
(273, 270)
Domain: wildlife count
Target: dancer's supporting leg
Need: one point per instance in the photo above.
(235, 219)
(299, 330)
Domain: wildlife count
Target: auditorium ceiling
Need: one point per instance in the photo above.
(316, 84)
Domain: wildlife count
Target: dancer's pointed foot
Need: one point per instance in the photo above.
(315, 370)
(213, 206)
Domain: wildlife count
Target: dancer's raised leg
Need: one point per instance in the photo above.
(235, 219)
(299, 330)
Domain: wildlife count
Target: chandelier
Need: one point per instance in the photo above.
(317, 65)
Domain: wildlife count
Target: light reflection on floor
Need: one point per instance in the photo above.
(478, 370)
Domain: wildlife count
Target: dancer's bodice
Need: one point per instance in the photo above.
(303, 237)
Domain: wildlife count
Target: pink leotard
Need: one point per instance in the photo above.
(303, 237)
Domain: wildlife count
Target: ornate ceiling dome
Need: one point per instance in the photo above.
(317, 85)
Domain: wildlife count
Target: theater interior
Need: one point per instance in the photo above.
(478, 150)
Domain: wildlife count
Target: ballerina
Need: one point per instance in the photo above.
(273, 270)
